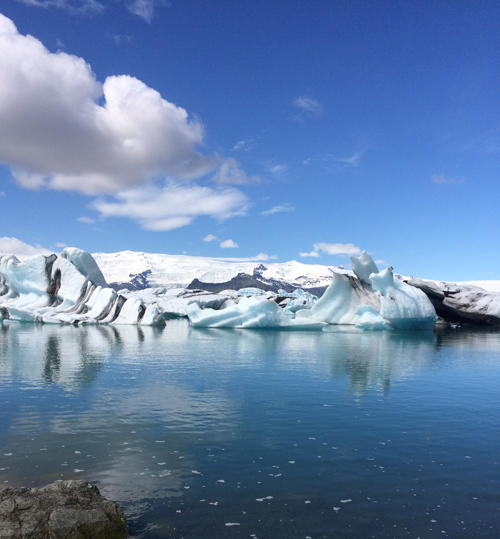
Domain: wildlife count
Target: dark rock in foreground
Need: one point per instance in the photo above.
(461, 303)
(65, 509)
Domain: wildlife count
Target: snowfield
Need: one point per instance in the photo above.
(180, 270)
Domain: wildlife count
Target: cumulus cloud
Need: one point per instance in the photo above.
(446, 180)
(308, 104)
(332, 249)
(173, 205)
(63, 129)
(280, 208)
(228, 244)
(210, 237)
(15, 246)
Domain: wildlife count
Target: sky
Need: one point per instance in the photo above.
(272, 130)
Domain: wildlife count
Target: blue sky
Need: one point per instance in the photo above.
(313, 128)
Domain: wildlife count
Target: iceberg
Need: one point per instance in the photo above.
(249, 312)
(69, 288)
(370, 299)
(402, 305)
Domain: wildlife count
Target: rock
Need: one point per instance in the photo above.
(461, 303)
(64, 509)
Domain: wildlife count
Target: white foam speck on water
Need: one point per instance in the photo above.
(291, 462)
(232, 523)
(264, 498)
(77, 470)
(7, 454)
(77, 452)
(347, 500)
(307, 501)
(336, 509)
(213, 503)
(160, 441)
(196, 472)
(220, 481)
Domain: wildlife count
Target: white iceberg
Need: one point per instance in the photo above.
(70, 288)
(249, 312)
(373, 300)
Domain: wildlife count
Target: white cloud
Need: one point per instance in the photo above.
(442, 179)
(333, 249)
(61, 245)
(73, 6)
(261, 257)
(278, 169)
(228, 244)
(308, 104)
(210, 237)
(86, 220)
(351, 160)
(120, 39)
(143, 9)
(230, 171)
(280, 208)
(173, 205)
(19, 248)
(313, 254)
(63, 129)
(244, 145)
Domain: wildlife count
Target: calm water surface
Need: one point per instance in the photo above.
(227, 433)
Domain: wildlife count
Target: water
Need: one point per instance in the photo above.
(227, 433)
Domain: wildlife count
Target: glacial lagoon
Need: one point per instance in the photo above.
(248, 433)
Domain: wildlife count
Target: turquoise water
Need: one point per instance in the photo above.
(222, 433)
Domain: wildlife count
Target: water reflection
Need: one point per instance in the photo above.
(72, 357)
(216, 420)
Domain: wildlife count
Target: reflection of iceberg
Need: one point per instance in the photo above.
(378, 360)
